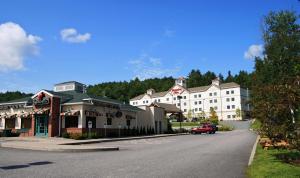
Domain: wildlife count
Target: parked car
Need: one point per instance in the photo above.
(204, 128)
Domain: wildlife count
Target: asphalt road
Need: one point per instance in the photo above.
(220, 155)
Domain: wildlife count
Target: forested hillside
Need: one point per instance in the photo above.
(7, 96)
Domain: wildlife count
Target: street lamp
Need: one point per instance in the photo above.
(180, 114)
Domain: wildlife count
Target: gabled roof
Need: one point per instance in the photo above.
(169, 108)
(128, 107)
(229, 85)
(199, 89)
(138, 97)
(159, 94)
(63, 83)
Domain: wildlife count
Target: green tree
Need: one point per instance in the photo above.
(276, 90)
(238, 112)
(194, 78)
(213, 117)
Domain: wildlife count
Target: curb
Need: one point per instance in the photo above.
(121, 139)
(253, 151)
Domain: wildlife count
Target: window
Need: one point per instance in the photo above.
(196, 109)
(215, 100)
(184, 110)
(128, 123)
(210, 94)
(210, 101)
(232, 99)
(195, 102)
(10, 123)
(93, 119)
(232, 91)
(25, 123)
(233, 106)
(199, 102)
(215, 93)
(199, 95)
(174, 98)
(233, 116)
(228, 106)
(71, 121)
(227, 99)
(146, 101)
(228, 116)
(184, 103)
(158, 100)
(227, 92)
(195, 96)
(184, 97)
(200, 109)
(155, 100)
(178, 104)
(109, 121)
(216, 108)
(167, 99)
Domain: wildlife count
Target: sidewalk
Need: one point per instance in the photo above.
(48, 144)
(66, 145)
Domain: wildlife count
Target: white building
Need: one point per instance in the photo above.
(229, 100)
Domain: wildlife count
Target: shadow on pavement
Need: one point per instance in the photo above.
(25, 165)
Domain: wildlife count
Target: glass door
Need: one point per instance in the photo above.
(41, 125)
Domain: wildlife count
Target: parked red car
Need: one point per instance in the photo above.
(205, 128)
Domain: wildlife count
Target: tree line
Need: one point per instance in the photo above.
(125, 90)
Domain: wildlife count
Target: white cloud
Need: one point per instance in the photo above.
(149, 67)
(72, 36)
(254, 51)
(169, 33)
(155, 61)
(15, 45)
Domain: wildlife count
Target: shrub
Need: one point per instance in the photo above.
(225, 128)
(65, 135)
(78, 136)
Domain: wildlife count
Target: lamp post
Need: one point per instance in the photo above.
(180, 116)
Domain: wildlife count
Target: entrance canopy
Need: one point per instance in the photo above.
(169, 108)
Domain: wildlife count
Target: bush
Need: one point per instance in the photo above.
(94, 135)
(65, 135)
(78, 136)
(225, 128)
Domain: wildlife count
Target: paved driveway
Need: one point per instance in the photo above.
(220, 155)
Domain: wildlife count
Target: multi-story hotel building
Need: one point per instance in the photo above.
(229, 100)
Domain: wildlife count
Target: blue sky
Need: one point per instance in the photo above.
(47, 42)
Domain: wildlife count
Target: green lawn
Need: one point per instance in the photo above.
(185, 124)
(255, 125)
(266, 164)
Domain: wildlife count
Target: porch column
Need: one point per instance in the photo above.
(63, 121)
(81, 119)
(2, 123)
(18, 123)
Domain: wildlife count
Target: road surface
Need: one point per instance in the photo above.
(223, 155)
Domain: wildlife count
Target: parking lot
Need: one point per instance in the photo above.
(224, 154)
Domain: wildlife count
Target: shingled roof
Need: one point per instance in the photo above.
(169, 108)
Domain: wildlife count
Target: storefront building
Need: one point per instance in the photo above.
(70, 109)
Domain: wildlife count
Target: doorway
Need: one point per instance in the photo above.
(41, 125)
